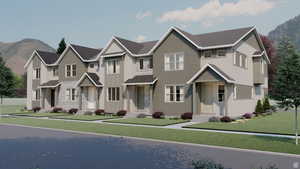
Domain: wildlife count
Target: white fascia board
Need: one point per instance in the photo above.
(145, 83)
(83, 76)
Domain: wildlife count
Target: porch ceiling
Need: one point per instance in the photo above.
(50, 84)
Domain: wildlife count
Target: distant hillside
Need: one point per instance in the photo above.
(290, 29)
(16, 53)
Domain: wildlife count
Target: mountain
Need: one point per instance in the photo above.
(16, 53)
(290, 29)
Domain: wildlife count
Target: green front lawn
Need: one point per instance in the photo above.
(148, 121)
(85, 117)
(13, 109)
(278, 123)
(273, 144)
(43, 114)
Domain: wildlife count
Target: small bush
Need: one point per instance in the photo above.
(187, 116)
(266, 105)
(89, 113)
(158, 115)
(121, 113)
(247, 116)
(36, 109)
(214, 119)
(207, 164)
(99, 112)
(141, 115)
(259, 108)
(226, 119)
(73, 111)
(57, 110)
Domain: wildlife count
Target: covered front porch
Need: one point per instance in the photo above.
(211, 90)
(90, 89)
(49, 94)
(139, 94)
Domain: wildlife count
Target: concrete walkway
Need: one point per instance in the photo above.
(173, 126)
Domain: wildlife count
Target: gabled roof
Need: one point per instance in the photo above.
(141, 79)
(93, 77)
(85, 54)
(214, 68)
(48, 58)
(50, 84)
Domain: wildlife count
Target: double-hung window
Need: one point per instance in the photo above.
(174, 61)
(37, 73)
(113, 67)
(221, 93)
(240, 60)
(145, 64)
(113, 94)
(70, 94)
(73, 70)
(70, 70)
(174, 93)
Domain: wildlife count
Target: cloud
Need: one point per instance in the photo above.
(140, 38)
(215, 10)
(142, 15)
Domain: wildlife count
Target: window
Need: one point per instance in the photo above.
(174, 61)
(222, 52)
(37, 94)
(54, 71)
(221, 93)
(174, 93)
(70, 94)
(113, 67)
(73, 70)
(145, 64)
(257, 89)
(113, 94)
(240, 60)
(68, 70)
(37, 73)
(207, 54)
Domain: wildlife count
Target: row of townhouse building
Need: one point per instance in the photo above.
(219, 73)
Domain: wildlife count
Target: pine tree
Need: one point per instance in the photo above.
(7, 81)
(61, 46)
(259, 108)
(266, 104)
(287, 81)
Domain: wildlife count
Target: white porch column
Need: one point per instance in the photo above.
(128, 98)
(80, 97)
(226, 96)
(151, 99)
(194, 102)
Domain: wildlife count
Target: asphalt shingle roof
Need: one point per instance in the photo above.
(141, 79)
(137, 47)
(95, 78)
(48, 57)
(51, 83)
(85, 52)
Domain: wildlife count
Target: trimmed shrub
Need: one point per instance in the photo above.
(73, 111)
(141, 115)
(266, 105)
(99, 112)
(214, 119)
(36, 109)
(187, 116)
(226, 119)
(207, 164)
(259, 108)
(57, 110)
(121, 113)
(158, 115)
(247, 116)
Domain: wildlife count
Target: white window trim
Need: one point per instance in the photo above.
(68, 95)
(174, 85)
(234, 92)
(175, 63)
(146, 65)
(107, 94)
(234, 58)
(117, 65)
(262, 67)
(72, 66)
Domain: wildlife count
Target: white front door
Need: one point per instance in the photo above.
(143, 98)
(91, 97)
(207, 98)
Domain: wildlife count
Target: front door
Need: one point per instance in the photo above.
(52, 98)
(91, 97)
(140, 98)
(207, 98)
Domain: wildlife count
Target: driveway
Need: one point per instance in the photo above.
(26, 148)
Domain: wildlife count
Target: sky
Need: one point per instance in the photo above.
(92, 23)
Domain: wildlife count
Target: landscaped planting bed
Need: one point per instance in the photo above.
(149, 121)
(277, 123)
(85, 117)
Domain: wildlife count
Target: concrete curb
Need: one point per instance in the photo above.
(156, 140)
